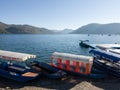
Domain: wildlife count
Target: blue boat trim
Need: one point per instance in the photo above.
(105, 55)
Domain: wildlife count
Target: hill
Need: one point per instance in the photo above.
(65, 31)
(94, 28)
(3, 27)
(22, 29)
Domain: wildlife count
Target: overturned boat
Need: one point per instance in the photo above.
(76, 65)
(15, 71)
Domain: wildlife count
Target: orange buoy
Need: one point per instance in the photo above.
(59, 61)
(87, 68)
(68, 64)
(77, 67)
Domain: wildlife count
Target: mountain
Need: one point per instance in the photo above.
(94, 28)
(22, 29)
(3, 27)
(65, 31)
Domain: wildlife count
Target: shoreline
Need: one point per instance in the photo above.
(70, 83)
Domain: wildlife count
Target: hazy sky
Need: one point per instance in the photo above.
(59, 14)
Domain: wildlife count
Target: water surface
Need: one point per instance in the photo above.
(44, 45)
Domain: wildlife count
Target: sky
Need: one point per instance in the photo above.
(59, 14)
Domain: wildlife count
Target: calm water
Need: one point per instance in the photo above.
(44, 45)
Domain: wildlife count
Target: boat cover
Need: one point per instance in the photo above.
(106, 54)
(66, 56)
(108, 46)
(15, 55)
(117, 51)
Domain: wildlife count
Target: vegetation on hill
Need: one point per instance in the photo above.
(22, 29)
(94, 28)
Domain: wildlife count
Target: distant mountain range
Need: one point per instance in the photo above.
(94, 28)
(22, 29)
(28, 29)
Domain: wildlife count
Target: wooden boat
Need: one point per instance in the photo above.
(14, 71)
(107, 61)
(47, 70)
(76, 65)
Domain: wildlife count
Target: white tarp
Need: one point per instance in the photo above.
(15, 55)
(117, 51)
(66, 56)
(108, 46)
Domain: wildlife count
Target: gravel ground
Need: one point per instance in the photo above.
(69, 83)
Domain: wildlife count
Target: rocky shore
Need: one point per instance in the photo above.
(68, 83)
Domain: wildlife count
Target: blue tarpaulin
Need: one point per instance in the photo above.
(107, 55)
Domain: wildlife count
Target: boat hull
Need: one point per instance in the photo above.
(97, 74)
(15, 77)
(12, 74)
(56, 73)
(84, 45)
(110, 70)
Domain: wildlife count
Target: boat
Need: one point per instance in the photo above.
(77, 65)
(108, 46)
(105, 55)
(107, 61)
(109, 34)
(10, 70)
(84, 43)
(47, 70)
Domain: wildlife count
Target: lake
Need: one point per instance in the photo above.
(44, 45)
